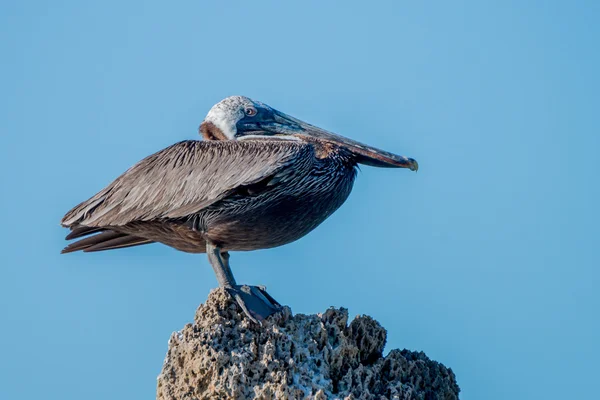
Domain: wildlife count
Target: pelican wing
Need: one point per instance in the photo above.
(185, 178)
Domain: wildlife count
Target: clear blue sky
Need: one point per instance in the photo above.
(486, 259)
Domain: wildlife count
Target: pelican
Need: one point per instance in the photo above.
(259, 179)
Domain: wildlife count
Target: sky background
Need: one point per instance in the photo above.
(487, 259)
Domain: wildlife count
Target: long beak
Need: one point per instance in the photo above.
(287, 125)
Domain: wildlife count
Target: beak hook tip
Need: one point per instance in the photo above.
(414, 165)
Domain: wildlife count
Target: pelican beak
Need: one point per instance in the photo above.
(287, 125)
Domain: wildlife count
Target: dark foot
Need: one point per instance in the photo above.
(255, 301)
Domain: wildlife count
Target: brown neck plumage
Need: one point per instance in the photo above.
(209, 131)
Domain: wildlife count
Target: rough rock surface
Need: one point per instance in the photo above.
(224, 355)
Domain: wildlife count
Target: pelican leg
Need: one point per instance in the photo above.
(256, 303)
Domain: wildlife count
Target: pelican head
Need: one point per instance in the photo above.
(241, 118)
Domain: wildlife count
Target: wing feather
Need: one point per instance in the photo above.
(185, 178)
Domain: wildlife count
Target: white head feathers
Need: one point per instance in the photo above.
(226, 114)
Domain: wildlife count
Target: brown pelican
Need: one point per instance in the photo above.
(260, 179)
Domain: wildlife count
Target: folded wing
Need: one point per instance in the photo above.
(185, 178)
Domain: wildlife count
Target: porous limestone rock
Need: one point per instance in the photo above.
(223, 355)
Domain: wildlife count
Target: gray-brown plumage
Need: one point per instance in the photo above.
(269, 193)
(260, 179)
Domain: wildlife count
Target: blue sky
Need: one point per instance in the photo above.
(486, 259)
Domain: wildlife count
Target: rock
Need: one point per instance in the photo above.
(224, 355)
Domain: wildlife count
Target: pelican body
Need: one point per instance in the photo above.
(259, 179)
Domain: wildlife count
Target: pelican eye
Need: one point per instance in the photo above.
(250, 111)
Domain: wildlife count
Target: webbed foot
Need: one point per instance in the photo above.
(256, 303)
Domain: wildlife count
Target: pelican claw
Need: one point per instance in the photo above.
(256, 303)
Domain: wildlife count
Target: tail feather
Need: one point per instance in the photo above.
(80, 231)
(105, 240)
(118, 243)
